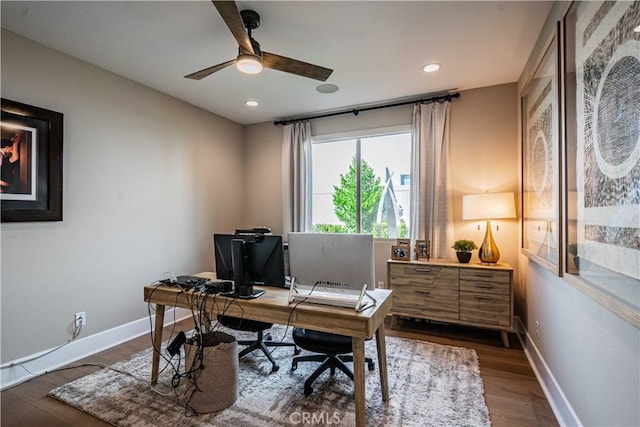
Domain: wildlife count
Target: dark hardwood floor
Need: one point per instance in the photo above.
(512, 392)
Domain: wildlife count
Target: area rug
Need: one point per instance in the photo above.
(429, 385)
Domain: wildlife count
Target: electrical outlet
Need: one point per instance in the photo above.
(80, 319)
(537, 329)
(381, 284)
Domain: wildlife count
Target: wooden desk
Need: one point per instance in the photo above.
(273, 307)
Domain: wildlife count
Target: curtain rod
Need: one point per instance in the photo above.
(356, 111)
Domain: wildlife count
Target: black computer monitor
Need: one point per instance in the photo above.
(259, 260)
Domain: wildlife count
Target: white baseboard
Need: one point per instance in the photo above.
(560, 406)
(81, 348)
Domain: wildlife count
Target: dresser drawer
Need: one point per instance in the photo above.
(485, 275)
(485, 287)
(411, 274)
(485, 281)
(437, 304)
(488, 309)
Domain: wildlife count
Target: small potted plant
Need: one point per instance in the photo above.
(463, 249)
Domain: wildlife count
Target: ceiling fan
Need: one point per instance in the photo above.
(251, 58)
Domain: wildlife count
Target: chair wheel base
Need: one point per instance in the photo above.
(371, 365)
(308, 391)
(297, 351)
(294, 366)
(275, 368)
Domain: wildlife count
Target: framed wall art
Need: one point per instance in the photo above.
(602, 151)
(541, 162)
(30, 163)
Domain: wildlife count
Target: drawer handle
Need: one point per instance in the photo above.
(423, 270)
(484, 286)
(483, 274)
(423, 292)
(483, 298)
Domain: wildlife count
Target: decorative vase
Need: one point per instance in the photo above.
(488, 251)
(464, 257)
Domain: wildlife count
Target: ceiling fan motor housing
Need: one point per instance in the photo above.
(251, 19)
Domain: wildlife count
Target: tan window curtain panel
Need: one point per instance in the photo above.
(431, 213)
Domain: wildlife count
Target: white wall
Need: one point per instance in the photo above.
(588, 357)
(147, 180)
(483, 126)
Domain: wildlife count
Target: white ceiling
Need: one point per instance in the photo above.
(375, 48)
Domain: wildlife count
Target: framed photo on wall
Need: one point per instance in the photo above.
(541, 162)
(602, 151)
(30, 163)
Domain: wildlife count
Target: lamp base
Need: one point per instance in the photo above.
(488, 252)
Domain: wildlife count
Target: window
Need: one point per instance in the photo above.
(361, 184)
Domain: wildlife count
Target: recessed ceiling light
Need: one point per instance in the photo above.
(327, 88)
(637, 29)
(251, 103)
(430, 68)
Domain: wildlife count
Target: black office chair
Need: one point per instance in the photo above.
(333, 349)
(261, 343)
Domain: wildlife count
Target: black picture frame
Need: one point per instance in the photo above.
(35, 192)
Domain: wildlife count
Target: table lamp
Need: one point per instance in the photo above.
(488, 206)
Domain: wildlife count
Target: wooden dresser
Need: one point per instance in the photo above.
(468, 294)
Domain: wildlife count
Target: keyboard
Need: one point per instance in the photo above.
(338, 298)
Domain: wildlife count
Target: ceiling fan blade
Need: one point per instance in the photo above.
(229, 12)
(293, 66)
(207, 71)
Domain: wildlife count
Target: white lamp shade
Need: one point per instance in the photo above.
(488, 206)
(250, 64)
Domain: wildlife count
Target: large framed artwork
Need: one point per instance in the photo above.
(30, 163)
(540, 162)
(602, 149)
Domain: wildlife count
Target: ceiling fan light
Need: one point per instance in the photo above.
(249, 64)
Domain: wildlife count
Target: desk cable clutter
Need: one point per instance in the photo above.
(330, 296)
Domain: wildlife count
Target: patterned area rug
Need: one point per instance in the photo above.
(429, 385)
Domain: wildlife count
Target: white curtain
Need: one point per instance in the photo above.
(431, 213)
(296, 177)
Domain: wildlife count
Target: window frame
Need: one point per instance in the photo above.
(358, 135)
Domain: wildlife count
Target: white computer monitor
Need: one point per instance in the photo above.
(346, 259)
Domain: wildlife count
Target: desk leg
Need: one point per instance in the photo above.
(157, 343)
(382, 362)
(358, 379)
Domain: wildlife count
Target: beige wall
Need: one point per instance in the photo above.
(483, 154)
(263, 176)
(484, 158)
(147, 180)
